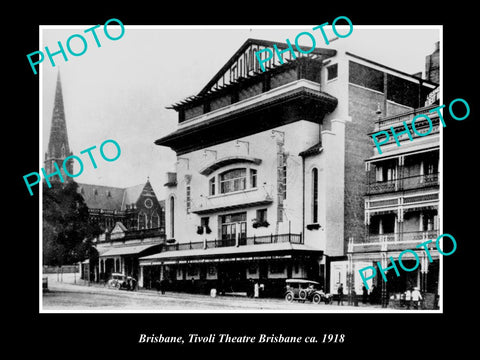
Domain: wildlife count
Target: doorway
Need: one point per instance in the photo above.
(233, 229)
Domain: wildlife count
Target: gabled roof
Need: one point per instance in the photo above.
(258, 44)
(110, 197)
(102, 197)
(131, 194)
(264, 43)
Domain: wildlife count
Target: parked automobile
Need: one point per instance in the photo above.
(122, 282)
(305, 290)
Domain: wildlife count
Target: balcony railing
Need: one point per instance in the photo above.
(158, 232)
(392, 241)
(405, 183)
(394, 120)
(255, 240)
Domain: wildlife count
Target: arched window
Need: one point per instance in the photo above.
(142, 220)
(172, 217)
(155, 220)
(314, 195)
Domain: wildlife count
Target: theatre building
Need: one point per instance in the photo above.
(270, 173)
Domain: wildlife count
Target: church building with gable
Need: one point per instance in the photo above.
(132, 219)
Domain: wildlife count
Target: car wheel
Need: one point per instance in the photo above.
(317, 299)
(289, 297)
(302, 294)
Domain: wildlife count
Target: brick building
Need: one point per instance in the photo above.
(270, 177)
(401, 203)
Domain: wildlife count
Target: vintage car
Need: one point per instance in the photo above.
(122, 282)
(305, 290)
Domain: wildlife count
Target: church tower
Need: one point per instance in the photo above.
(58, 148)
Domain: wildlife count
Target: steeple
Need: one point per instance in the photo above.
(58, 148)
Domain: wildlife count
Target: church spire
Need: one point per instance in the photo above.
(58, 147)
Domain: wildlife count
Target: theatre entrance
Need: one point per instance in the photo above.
(232, 276)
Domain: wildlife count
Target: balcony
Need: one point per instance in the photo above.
(405, 183)
(232, 201)
(397, 120)
(297, 100)
(392, 241)
(255, 240)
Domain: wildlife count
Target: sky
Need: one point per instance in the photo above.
(120, 90)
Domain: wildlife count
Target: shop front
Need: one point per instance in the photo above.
(235, 271)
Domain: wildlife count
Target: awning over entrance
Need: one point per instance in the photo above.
(127, 250)
(243, 253)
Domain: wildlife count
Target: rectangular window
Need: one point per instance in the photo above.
(261, 215)
(212, 186)
(253, 178)
(332, 72)
(365, 76)
(204, 221)
(402, 91)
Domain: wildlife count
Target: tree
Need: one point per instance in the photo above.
(67, 232)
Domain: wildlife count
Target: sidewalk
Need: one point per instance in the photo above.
(74, 279)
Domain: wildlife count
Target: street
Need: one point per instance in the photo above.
(74, 295)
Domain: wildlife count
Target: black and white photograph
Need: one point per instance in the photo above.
(262, 191)
(294, 184)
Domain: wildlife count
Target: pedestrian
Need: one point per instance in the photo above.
(373, 295)
(416, 297)
(354, 296)
(250, 287)
(256, 290)
(340, 294)
(364, 294)
(408, 298)
(162, 285)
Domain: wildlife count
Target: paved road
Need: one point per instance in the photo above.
(66, 296)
